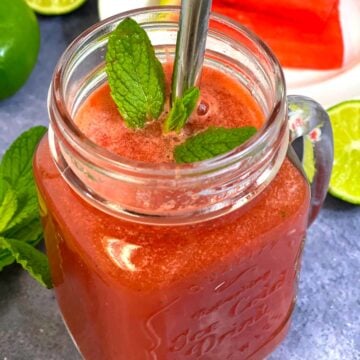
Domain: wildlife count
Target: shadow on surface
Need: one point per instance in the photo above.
(332, 203)
(10, 286)
(74, 23)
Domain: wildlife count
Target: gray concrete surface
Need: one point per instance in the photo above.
(326, 322)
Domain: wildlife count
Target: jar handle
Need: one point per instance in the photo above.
(307, 119)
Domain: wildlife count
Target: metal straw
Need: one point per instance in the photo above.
(190, 45)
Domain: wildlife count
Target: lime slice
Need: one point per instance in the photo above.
(54, 7)
(345, 177)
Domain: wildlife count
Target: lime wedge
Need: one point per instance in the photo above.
(54, 7)
(345, 177)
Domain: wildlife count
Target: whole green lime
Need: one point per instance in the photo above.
(19, 45)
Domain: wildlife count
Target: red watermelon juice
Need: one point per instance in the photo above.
(217, 289)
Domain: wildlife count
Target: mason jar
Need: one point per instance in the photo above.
(167, 261)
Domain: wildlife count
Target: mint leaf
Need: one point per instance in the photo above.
(30, 232)
(19, 214)
(31, 259)
(16, 169)
(5, 258)
(212, 142)
(16, 165)
(28, 209)
(135, 75)
(181, 110)
(8, 204)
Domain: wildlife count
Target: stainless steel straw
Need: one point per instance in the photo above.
(190, 45)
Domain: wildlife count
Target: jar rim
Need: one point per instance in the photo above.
(117, 162)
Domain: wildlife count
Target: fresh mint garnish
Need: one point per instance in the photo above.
(32, 260)
(135, 75)
(137, 84)
(8, 204)
(181, 110)
(20, 227)
(212, 142)
(5, 258)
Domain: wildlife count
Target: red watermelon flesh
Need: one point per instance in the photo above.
(317, 10)
(301, 36)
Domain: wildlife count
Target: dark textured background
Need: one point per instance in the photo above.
(326, 323)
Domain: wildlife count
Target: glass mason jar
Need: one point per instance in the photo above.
(161, 261)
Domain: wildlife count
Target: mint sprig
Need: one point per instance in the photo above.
(135, 75)
(181, 110)
(8, 204)
(137, 84)
(20, 227)
(212, 142)
(32, 260)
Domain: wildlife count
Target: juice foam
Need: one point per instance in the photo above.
(227, 104)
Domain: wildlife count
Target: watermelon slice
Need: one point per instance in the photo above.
(302, 34)
(317, 11)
